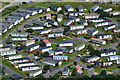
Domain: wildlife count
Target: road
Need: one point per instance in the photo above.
(57, 70)
(110, 46)
(9, 71)
(77, 59)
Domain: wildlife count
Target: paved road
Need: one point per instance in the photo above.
(115, 22)
(110, 46)
(9, 71)
(57, 70)
(77, 59)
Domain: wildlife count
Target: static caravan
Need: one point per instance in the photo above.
(14, 56)
(79, 47)
(117, 30)
(68, 8)
(116, 57)
(103, 64)
(93, 32)
(104, 36)
(8, 52)
(32, 47)
(80, 8)
(45, 9)
(103, 23)
(88, 16)
(22, 64)
(80, 32)
(60, 57)
(65, 72)
(52, 62)
(19, 18)
(54, 52)
(65, 44)
(35, 73)
(38, 9)
(45, 49)
(19, 34)
(68, 22)
(19, 60)
(55, 8)
(114, 13)
(94, 8)
(45, 31)
(98, 41)
(95, 20)
(5, 48)
(107, 9)
(109, 27)
(17, 14)
(109, 52)
(30, 68)
(46, 42)
(28, 42)
(92, 59)
(75, 27)
(19, 38)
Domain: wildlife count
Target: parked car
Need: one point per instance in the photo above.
(78, 55)
(19, 48)
(37, 58)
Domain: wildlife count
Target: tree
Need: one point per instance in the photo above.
(103, 72)
(46, 68)
(74, 73)
(57, 75)
(61, 12)
(39, 77)
(30, 30)
(65, 30)
(90, 47)
(75, 63)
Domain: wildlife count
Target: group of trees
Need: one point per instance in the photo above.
(93, 52)
(102, 13)
(30, 30)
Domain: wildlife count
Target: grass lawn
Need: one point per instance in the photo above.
(54, 46)
(98, 70)
(25, 53)
(4, 77)
(104, 58)
(85, 72)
